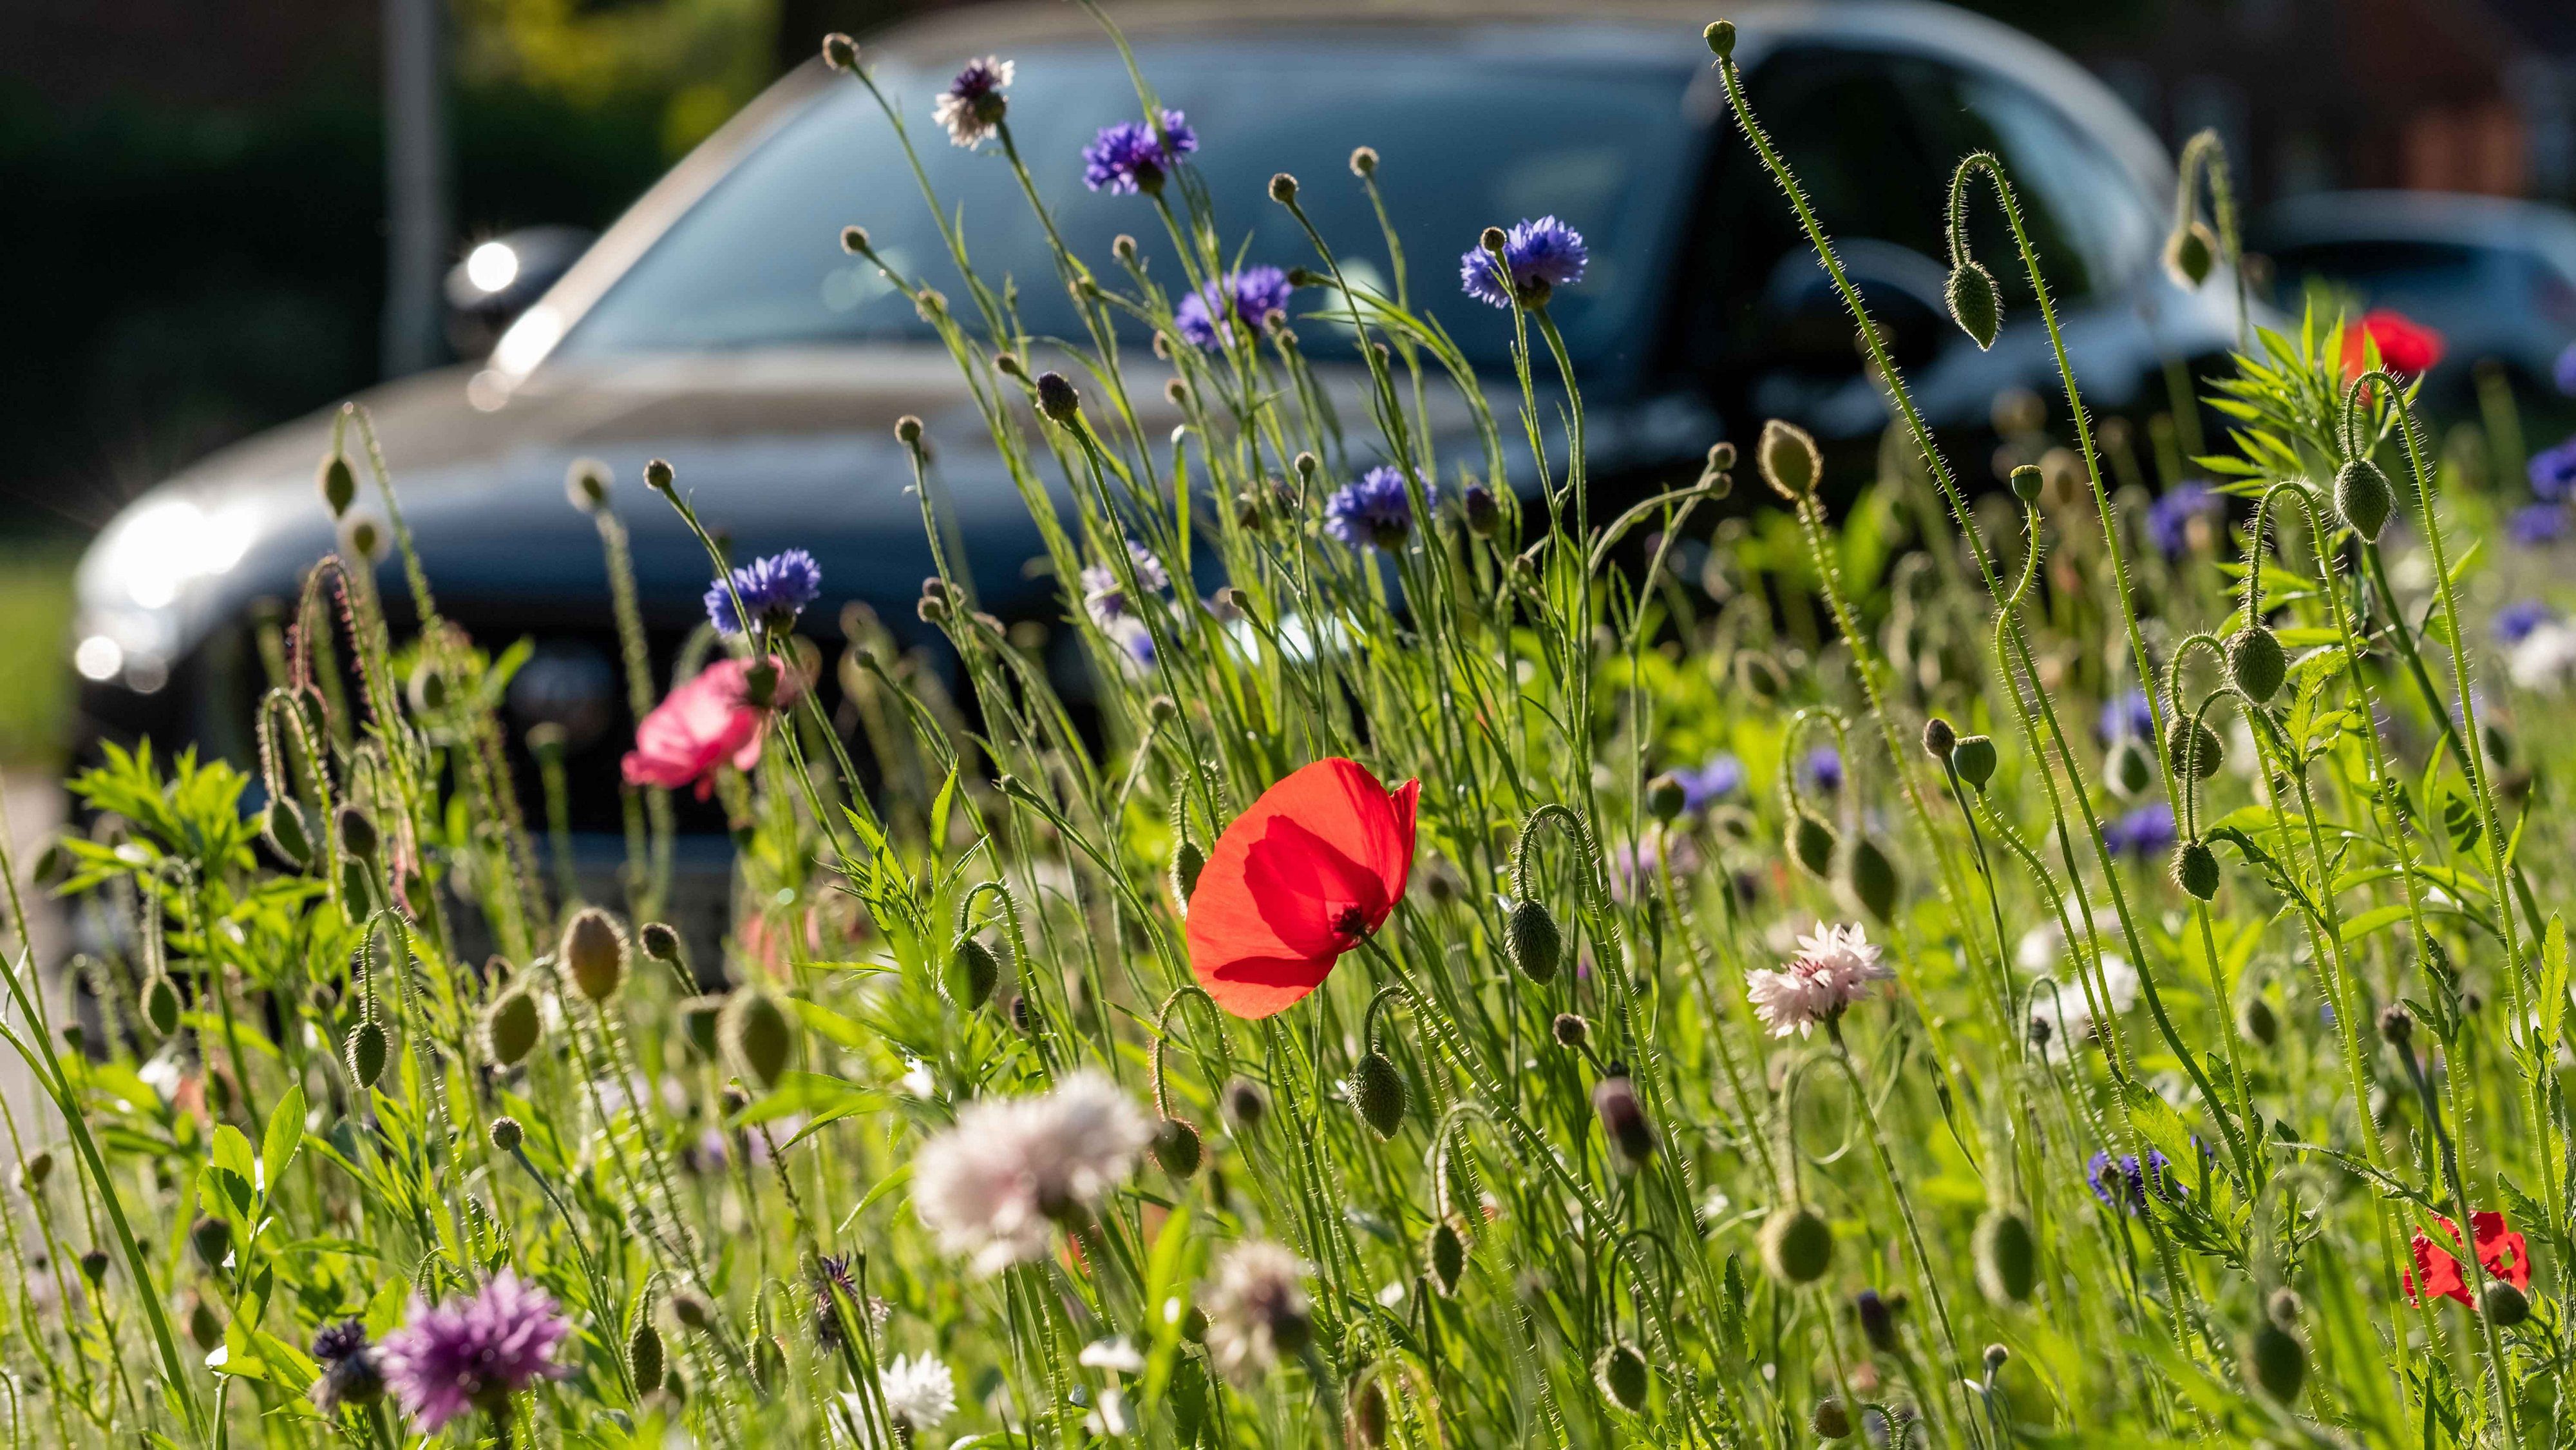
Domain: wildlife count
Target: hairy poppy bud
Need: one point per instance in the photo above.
(2362, 496)
(2276, 1361)
(2397, 1026)
(973, 972)
(658, 475)
(1364, 1413)
(2007, 1257)
(2190, 253)
(2195, 869)
(1971, 294)
(1570, 1031)
(1871, 878)
(1939, 739)
(1446, 1251)
(357, 834)
(1187, 862)
(1621, 1374)
(593, 954)
(1830, 1420)
(1720, 36)
(840, 52)
(1057, 399)
(212, 1238)
(1797, 1244)
(1377, 1089)
(161, 1003)
(2027, 484)
(1974, 758)
(2194, 750)
(1665, 796)
(1623, 1119)
(511, 1027)
(661, 942)
(1245, 1104)
(2255, 663)
(507, 1135)
(691, 1311)
(2129, 769)
(1811, 844)
(1536, 944)
(2259, 1022)
(1177, 1147)
(339, 484)
(754, 1032)
(1283, 188)
(281, 824)
(644, 1354)
(2506, 1306)
(365, 1051)
(1787, 457)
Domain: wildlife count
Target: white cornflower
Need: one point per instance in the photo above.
(992, 1187)
(1256, 1309)
(919, 1393)
(2544, 659)
(1833, 969)
(2068, 1011)
(973, 104)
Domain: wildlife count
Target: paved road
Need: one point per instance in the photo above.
(34, 806)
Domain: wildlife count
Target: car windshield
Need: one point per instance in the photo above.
(1472, 134)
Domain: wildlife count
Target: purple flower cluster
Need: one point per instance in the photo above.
(2124, 1182)
(473, 1353)
(1703, 786)
(2170, 517)
(2131, 715)
(2553, 471)
(1208, 316)
(2144, 833)
(773, 590)
(1373, 511)
(1824, 767)
(1539, 257)
(2515, 622)
(1130, 158)
(2538, 525)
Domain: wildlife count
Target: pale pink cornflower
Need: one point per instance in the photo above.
(1833, 969)
(1256, 1310)
(993, 1186)
(972, 106)
(472, 1353)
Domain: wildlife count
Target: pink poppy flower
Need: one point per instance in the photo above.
(704, 723)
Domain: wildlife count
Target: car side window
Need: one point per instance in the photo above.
(2090, 223)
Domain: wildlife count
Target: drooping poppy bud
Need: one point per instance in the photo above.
(338, 483)
(644, 1355)
(2007, 1257)
(1788, 460)
(593, 954)
(1623, 1119)
(2275, 1360)
(2255, 663)
(1177, 1147)
(1973, 304)
(972, 973)
(1622, 1375)
(1446, 1251)
(2363, 497)
(365, 1051)
(1377, 1090)
(755, 1034)
(1536, 944)
(1811, 844)
(161, 1003)
(2194, 750)
(2195, 869)
(1797, 1244)
(1830, 1421)
(282, 825)
(1871, 878)
(2191, 252)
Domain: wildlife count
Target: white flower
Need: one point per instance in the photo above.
(2068, 1011)
(1833, 970)
(972, 104)
(1118, 1355)
(2545, 658)
(992, 1187)
(1113, 1419)
(1256, 1309)
(919, 1393)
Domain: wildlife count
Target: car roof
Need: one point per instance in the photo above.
(2418, 216)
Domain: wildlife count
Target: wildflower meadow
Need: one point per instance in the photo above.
(2066, 961)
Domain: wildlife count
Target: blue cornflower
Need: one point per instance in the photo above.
(1825, 769)
(2537, 525)
(2146, 833)
(1702, 787)
(2564, 371)
(1243, 298)
(2131, 714)
(2553, 471)
(1106, 599)
(2170, 517)
(774, 590)
(1130, 158)
(1373, 510)
(2133, 1180)
(2515, 622)
(1541, 256)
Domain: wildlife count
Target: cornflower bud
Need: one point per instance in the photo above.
(1484, 515)
(507, 1135)
(1665, 797)
(840, 52)
(854, 240)
(1283, 188)
(1720, 36)
(658, 475)
(1363, 161)
(661, 942)
(1057, 399)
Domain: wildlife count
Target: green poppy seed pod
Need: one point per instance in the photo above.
(1831, 1421)
(1187, 862)
(2255, 663)
(2276, 1362)
(1244, 1103)
(282, 825)
(2195, 869)
(1973, 305)
(161, 1003)
(511, 1027)
(586, 484)
(2190, 253)
(1787, 457)
(2362, 496)
(2007, 1257)
(840, 52)
(212, 1238)
(1446, 1251)
(1811, 843)
(1797, 1245)
(1720, 36)
(2028, 483)
(1283, 188)
(1364, 1412)
(2506, 1305)
(357, 833)
(365, 1051)
(1621, 1374)
(1939, 739)
(661, 942)
(205, 1328)
(2258, 1022)
(593, 953)
(1057, 398)
(644, 1354)
(38, 1167)
(93, 1266)
(1177, 1147)
(698, 1024)
(2194, 750)
(339, 484)
(1665, 797)
(1871, 878)
(507, 1134)
(2129, 768)
(1974, 758)
(1377, 1089)
(754, 1033)
(1536, 944)
(973, 973)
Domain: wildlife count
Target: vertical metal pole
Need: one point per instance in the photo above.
(416, 206)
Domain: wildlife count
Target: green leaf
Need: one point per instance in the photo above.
(2553, 981)
(232, 1153)
(285, 1134)
(2159, 1124)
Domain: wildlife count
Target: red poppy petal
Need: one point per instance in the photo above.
(1258, 987)
(1397, 869)
(1304, 888)
(2437, 1271)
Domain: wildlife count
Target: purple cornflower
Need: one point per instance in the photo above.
(2563, 372)
(1238, 298)
(349, 1372)
(1825, 769)
(1701, 787)
(774, 591)
(2170, 517)
(973, 104)
(2146, 833)
(2537, 525)
(2131, 714)
(472, 1353)
(1375, 509)
(2553, 471)
(1540, 256)
(1130, 158)
(1105, 599)
(2133, 1180)
(2515, 622)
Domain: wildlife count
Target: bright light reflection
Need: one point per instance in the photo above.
(492, 266)
(165, 545)
(98, 658)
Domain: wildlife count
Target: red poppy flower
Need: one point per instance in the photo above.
(2406, 347)
(2499, 1249)
(1305, 875)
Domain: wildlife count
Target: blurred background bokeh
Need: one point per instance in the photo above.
(202, 245)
